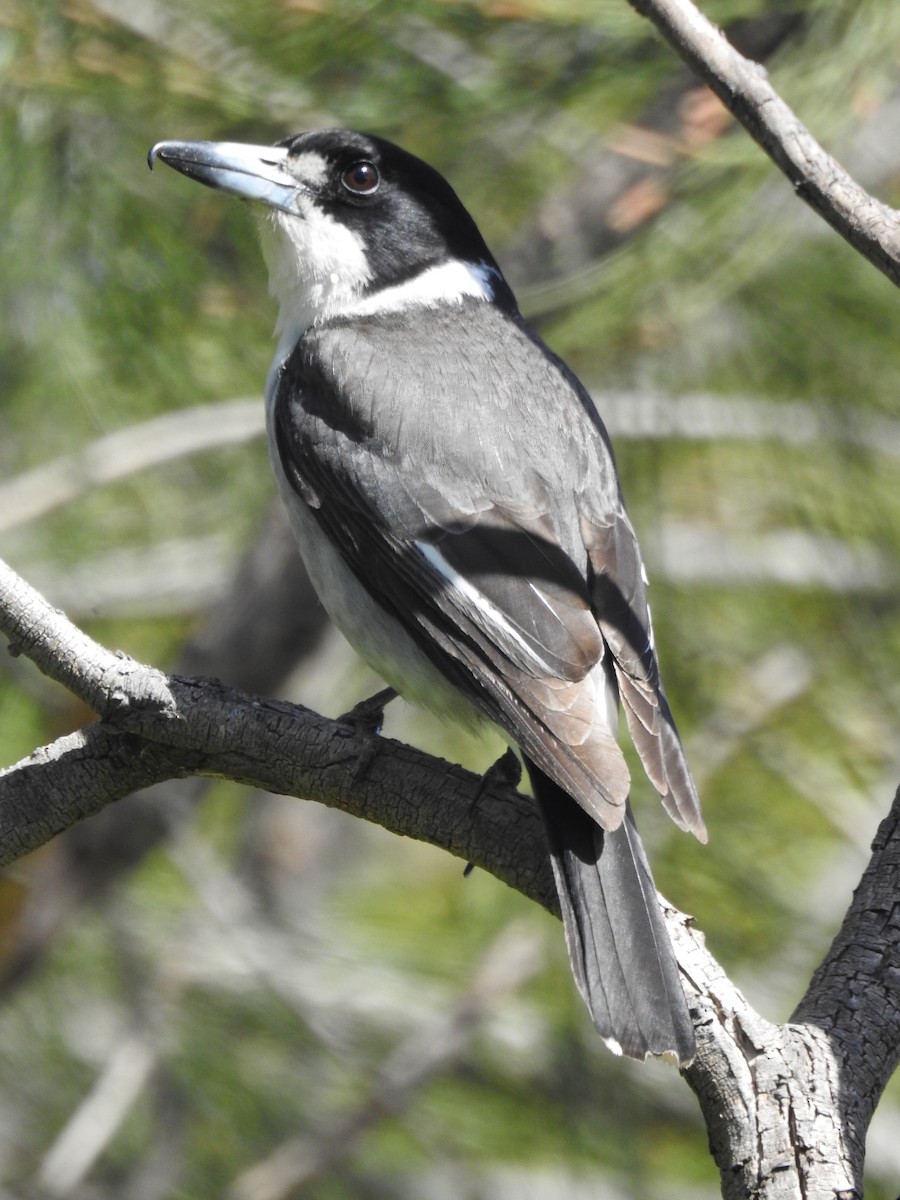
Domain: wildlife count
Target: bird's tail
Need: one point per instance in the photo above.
(619, 949)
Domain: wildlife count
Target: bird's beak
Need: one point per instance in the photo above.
(251, 172)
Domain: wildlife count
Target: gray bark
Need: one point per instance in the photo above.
(786, 1106)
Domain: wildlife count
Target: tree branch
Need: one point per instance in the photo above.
(870, 226)
(155, 726)
(786, 1106)
(853, 997)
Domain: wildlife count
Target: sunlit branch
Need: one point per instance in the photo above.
(867, 224)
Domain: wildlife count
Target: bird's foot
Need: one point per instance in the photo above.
(367, 718)
(507, 771)
(368, 715)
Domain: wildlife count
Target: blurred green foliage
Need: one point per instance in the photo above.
(125, 295)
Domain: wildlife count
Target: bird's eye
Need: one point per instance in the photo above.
(361, 178)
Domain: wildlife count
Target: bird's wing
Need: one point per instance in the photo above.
(507, 638)
(619, 600)
(467, 535)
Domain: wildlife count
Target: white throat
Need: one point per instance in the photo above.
(317, 267)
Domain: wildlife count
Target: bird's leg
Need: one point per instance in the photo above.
(506, 771)
(368, 715)
(367, 718)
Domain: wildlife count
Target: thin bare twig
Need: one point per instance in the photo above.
(510, 960)
(125, 452)
(96, 1120)
(871, 227)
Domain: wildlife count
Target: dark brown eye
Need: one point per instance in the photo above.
(361, 178)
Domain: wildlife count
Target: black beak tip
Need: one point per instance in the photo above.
(153, 154)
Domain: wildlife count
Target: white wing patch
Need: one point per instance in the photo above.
(491, 613)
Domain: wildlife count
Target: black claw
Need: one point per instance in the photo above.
(365, 758)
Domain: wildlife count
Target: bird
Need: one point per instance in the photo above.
(455, 499)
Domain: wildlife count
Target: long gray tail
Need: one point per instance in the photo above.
(619, 949)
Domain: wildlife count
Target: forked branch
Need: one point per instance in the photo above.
(786, 1106)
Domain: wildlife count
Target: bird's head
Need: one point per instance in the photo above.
(351, 223)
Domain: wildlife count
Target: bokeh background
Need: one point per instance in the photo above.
(206, 992)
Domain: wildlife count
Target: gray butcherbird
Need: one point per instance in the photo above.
(456, 503)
